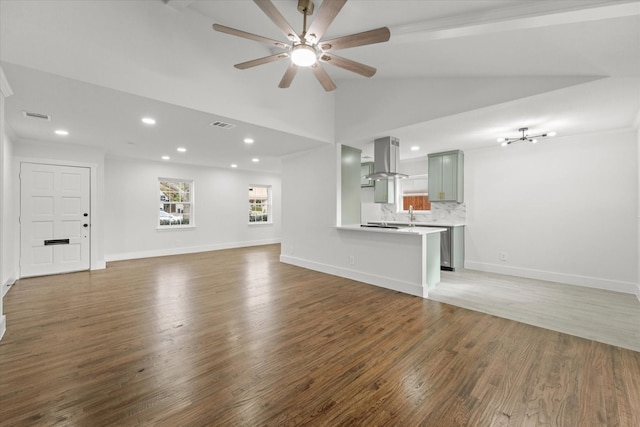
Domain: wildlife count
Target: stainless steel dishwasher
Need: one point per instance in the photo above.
(451, 247)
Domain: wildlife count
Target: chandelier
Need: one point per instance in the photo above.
(525, 137)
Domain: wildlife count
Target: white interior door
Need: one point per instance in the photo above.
(54, 219)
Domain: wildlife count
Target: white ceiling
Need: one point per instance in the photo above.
(98, 67)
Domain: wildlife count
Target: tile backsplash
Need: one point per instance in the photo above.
(450, 211)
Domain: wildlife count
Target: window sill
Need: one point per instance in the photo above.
(175, 227)
(261, 223)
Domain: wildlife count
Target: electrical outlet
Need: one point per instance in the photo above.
(503, 256)
(352, 260)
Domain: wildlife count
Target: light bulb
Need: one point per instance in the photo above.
(533, 141)
(552, 133)
(504, 143)
(303, 55)
(500, 139)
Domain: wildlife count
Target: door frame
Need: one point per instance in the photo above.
(96, 261)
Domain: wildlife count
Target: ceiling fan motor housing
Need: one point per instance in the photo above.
(305, 7)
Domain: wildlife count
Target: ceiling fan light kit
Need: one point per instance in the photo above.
(525, 137)
(303, 55)
(306, 49)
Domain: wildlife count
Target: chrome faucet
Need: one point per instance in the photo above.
(411, 216)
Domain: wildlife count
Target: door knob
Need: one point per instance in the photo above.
(85, 225)
(85, 214)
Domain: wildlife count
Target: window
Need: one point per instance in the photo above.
(176, 203)
(414, 192)
(260, 204)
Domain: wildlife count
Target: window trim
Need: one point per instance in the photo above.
(269, 204)
(191, 202)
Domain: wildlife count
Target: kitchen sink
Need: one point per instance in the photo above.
(380, 226)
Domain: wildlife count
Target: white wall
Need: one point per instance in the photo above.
(5, 203)
(637, 125)
(563, 210)
(221, 209)
(310, 239)
(7, 265)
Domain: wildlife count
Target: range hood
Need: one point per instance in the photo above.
(386, 158)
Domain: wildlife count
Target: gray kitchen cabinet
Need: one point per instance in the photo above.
(366, 169)
(446, 176)
(384, 191)
(350, 186)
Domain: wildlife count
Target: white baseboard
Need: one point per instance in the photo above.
(371, 279)
(3, 326)
(551, 276)
(188, 250)
(7, 285)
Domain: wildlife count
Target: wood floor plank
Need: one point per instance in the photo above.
(235, 337)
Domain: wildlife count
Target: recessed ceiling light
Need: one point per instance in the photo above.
(255, 160)
(248, 140)
(233, 165)
(182, 150)
(415, 148)
(165, 157)
(148, 121)
(62, 132)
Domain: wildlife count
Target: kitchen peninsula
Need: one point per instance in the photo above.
(411, 255)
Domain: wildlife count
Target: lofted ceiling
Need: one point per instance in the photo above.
(98, 67)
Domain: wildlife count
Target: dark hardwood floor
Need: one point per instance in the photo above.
(235, 338)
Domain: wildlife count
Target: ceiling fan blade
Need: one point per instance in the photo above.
(348, 64)
(274, 14)
(288, 76)
(260, 61)
(323, 77)
(326, 14)
(250, 36)
(378, 35)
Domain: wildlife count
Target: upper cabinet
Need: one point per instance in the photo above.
(446, 176)
(384, 191)
(366, 169)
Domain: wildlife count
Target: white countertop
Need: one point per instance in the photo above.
(430, 223)
(418, 231)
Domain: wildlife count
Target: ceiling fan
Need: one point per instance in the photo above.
(306, 49)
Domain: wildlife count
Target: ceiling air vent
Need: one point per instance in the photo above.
(223, 125)
(29, 114)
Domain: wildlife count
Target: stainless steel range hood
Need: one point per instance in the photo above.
(386, 159)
